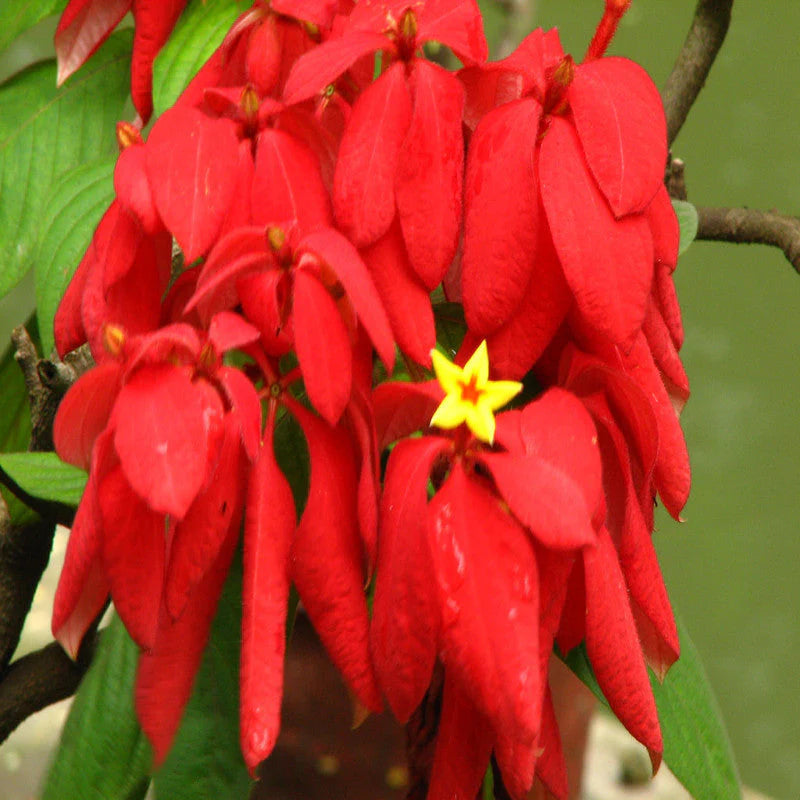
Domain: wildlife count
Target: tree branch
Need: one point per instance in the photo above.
(39, 679)
(750, 226)
(705, 37)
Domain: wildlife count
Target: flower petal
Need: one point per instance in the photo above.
(268, 531)
(405, 620)
(364, 181)
(620, 122)
(608, 263)
(501, 215)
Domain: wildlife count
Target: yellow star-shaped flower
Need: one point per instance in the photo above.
(471, 397)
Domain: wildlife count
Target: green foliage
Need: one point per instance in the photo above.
(199, 32)
(15, 419)
(687, 220)
(78, 200)
(205, 761)
(45, 132)
(46, 476)
(16, 16)
(103, 753)
(696, 746)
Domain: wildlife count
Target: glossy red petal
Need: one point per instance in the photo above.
(327, 559)
(68, 327)
(613, 647)
(665, 229)
(264, 56)
(463, 745)
(332, 248)
(83, 27)
(489, 598)
(323, 347)
(405, 298)
(457, 24)
(488, 87)
(557, 428)
(325, 63)
(245, 407)
(551, 766)
(133, 189)
(229, 331)
(287, 183)
(154, 22)
(84, 413)
(162, 438)
(133, 555)
(320, 12)
(405, 613)
(608, 263)
(191, 164)
(429, 178)
(166, 673)
(517, 762)
(544, 497)
(665, 354)
(501, 215)
(620, 122)
(403, 408)
(198, 538)
(239, 253)
(266, 301)
(364, 181)
(516, 346)
(269, 526)
(667, 299)
(672, 473)
(83, 586)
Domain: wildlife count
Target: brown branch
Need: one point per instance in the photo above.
(705, 37)
(40, 679)
(750, 226)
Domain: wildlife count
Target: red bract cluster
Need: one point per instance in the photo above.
(280, 227)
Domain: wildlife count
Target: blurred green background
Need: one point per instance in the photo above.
(732, 567)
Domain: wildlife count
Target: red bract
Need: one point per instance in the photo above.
(462, 583)
(402, 150)
(585, 144)
(86, 24)
(302, 291)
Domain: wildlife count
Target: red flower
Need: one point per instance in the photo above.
(86, 24)
(402, 151)
(584, 147)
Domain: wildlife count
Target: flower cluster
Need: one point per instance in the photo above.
(282, 225)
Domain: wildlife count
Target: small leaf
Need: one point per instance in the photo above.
(696, 746)
(45, 132)
(77, 202)
(205, 760)
(46, 476)
(199, 31)
(687, 220)
(17, 16)
(103, 754)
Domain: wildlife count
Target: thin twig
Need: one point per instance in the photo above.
(40, 679)
(750, 226)
(705, 37)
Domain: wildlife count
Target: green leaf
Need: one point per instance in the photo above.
(103, 754)
(44, 132)
(450, 327)
(78, 200)
(15, 419)
(205, 761)
(687, 220)
(696, 746)
(46, 476)
(199, 32)
(17, 16)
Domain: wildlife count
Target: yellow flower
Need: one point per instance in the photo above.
(471, 397)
